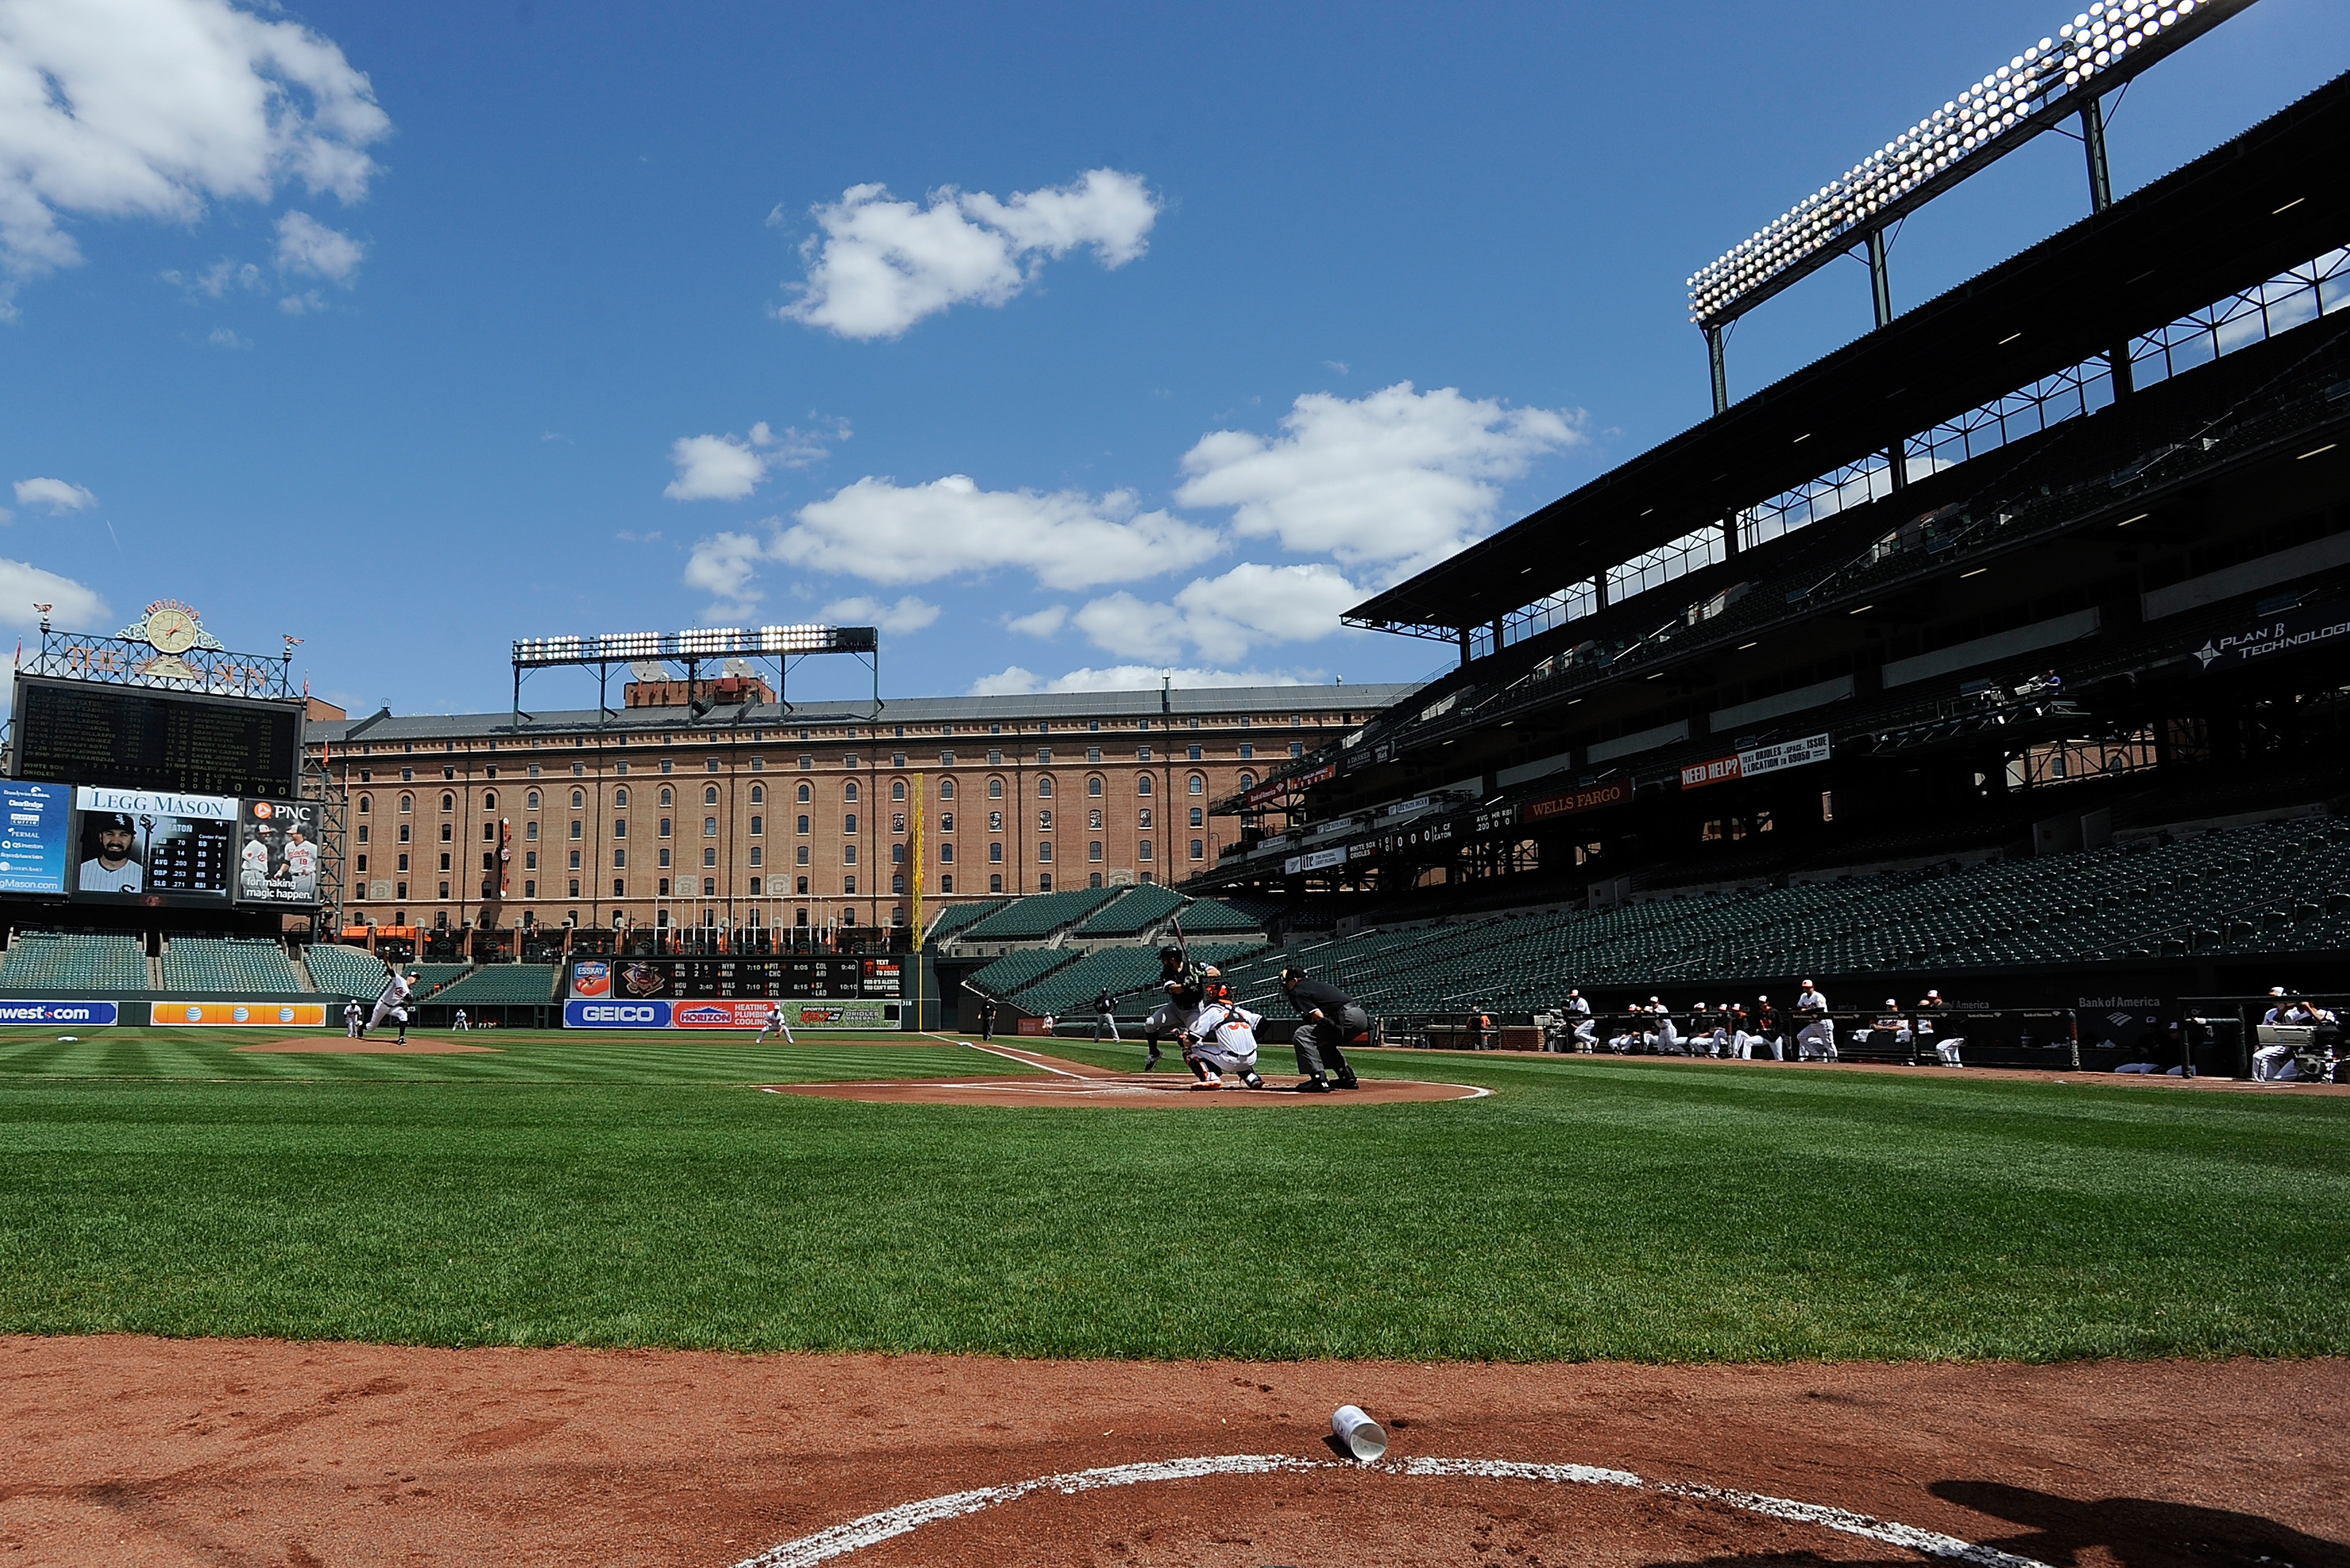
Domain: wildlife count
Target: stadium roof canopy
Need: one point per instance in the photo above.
(2271, 198)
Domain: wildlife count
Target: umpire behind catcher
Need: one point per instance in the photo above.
(1327, 1019)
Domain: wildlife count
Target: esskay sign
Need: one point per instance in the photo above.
(1754, 761)
(2296, 632)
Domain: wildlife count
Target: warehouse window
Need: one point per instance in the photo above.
(710, 795)
(1196, 784)
(1142, 784)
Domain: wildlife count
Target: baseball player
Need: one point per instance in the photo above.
(1945, 1047)
(352, 1017)
(1328, 1018)
(1106, 1017)
(1816, 1040)
(301, 863)
(775, 1026)
(254, 866)
(1220, 1038)
(1578, 1012)
(1186, 985)
(391, 1002)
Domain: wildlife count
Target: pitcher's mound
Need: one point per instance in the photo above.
(344, 1045)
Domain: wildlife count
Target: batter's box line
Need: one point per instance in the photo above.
(840, 1540)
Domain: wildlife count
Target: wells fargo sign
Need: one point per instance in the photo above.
(1613, 794)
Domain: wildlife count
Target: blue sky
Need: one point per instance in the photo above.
(1191, 324)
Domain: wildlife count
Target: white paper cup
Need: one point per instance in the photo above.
(1364, 1437)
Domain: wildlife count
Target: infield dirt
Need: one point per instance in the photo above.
(135, 1451)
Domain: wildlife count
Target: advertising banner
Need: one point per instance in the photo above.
(85, 1014)
(736, 1014)
(1613, 794)
(1720, 769)
(2292, 632)
(35, 822)
(616, 1014)
(1266, 794)
(1785, 755)
(228, 1014)
(152, 845)
(277, 852)
(1320, 860)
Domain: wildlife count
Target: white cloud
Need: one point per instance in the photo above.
(307, 245)
(909, 614)
(1039, 623)
(217, 279)
(1222, 617)
(309, 302)
(729, 467)
(886, 533)
(70, 604)
(1014, 682)
(56, 495)
(152, 109)
(1397, 477)
(223, 338)
(724, 566)
(881, 265)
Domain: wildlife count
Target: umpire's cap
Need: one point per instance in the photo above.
(1292, 975)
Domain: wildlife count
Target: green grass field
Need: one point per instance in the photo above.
(638, 1190)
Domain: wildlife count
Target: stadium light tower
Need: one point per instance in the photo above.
(2061, 77)
(784, 645)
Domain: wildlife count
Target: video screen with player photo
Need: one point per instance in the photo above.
(152, 844)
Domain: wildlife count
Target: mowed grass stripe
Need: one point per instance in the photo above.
(518, 1056)
(1588, 1210)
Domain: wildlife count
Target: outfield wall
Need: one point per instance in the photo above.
(186, 1009)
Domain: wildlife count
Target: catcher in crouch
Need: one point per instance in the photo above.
(1219, 1038)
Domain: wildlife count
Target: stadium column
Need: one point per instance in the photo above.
(1465, 654)
(1721, 369)
(1880, 299)
(2101, 196)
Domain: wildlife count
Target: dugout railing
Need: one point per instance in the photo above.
(1986, 1037)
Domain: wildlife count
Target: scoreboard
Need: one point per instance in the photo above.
(730, 979)
(87, 732)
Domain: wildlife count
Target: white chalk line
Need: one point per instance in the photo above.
(840, 1540)
(1026, 1058)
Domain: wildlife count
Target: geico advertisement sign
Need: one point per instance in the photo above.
(90, 1014)
(579, 1014)
(213, 1014)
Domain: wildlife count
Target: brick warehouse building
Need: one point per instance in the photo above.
(750, 816)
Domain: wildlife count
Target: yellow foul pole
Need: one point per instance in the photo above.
(914, 869)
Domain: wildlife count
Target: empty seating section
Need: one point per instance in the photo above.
(954, 917)
(1142, 909)
(63, 960)
(519, 983)
(1025, 920)
(1012, 970)
(341, 970)
(431, 976)
(2275, 887)
(1214, 915)
(253, 966)
(1070, 992)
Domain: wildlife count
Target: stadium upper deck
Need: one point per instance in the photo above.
(1881, 618)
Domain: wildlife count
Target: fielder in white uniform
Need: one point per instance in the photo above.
(1221, 1038)
(255, 866)
(775, 1026)
(1815, 1040)
(1578, 1012)
(391, 1002)
(351, 1018)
